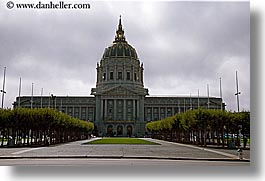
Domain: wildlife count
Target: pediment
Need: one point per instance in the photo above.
(119, 91)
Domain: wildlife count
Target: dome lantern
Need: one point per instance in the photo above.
(119, 34)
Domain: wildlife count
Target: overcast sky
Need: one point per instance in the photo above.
(183, 45)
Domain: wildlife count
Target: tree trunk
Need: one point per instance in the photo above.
(2, 141)
(223, 139)
(204, 137)
(218, 137)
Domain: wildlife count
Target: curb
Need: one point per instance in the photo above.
(122, 157)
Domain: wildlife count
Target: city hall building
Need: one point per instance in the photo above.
(120, 105)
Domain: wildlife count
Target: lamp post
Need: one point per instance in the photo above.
(3, 90)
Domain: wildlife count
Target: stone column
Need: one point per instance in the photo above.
(106, 110)
(133, 74)
(159, 116)
(115, 73)
(100, 115)
(107, 73)
(133, 115)
(80, 112)
(124, 109)
(124, 72)
(140, 107)
(152, 114)
(115, 109)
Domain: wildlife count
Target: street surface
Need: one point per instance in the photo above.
(166, 153)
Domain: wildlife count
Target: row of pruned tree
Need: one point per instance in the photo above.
(22, 126)
(203, 127)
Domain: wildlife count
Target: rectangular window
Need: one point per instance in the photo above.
(111, 75)
(104, 76)
(135, 77)
(128, 76)
(129, 102)
(119, 75)
(120, 103)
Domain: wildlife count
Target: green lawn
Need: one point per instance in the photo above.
(131, 141)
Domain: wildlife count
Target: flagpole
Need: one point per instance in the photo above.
(208, 103)
(190, 102)
(31, 101)
(3, 90)
(49, 104)
(19, 91)
(221, 96)
(41, 97)
(178, 105)
(237, 93)
(198, 98)
(184, 105)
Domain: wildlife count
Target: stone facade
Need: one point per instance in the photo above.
(120, 105)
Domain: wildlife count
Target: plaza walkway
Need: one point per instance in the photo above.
(165, 150)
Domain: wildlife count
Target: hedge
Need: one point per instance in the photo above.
(22, 126)
(202, 127)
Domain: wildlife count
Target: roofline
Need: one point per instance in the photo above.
(59, 96)
(178, 96)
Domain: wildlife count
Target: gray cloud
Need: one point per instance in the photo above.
(184, 46)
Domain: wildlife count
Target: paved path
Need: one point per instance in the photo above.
(165, 150)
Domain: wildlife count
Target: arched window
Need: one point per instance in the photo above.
(119, 75)
(128, 77)
(111, 76)
(110, 130)
(119, 130)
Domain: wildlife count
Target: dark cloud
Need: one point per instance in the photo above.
(184, 46)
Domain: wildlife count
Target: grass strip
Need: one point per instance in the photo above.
(129, 141)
